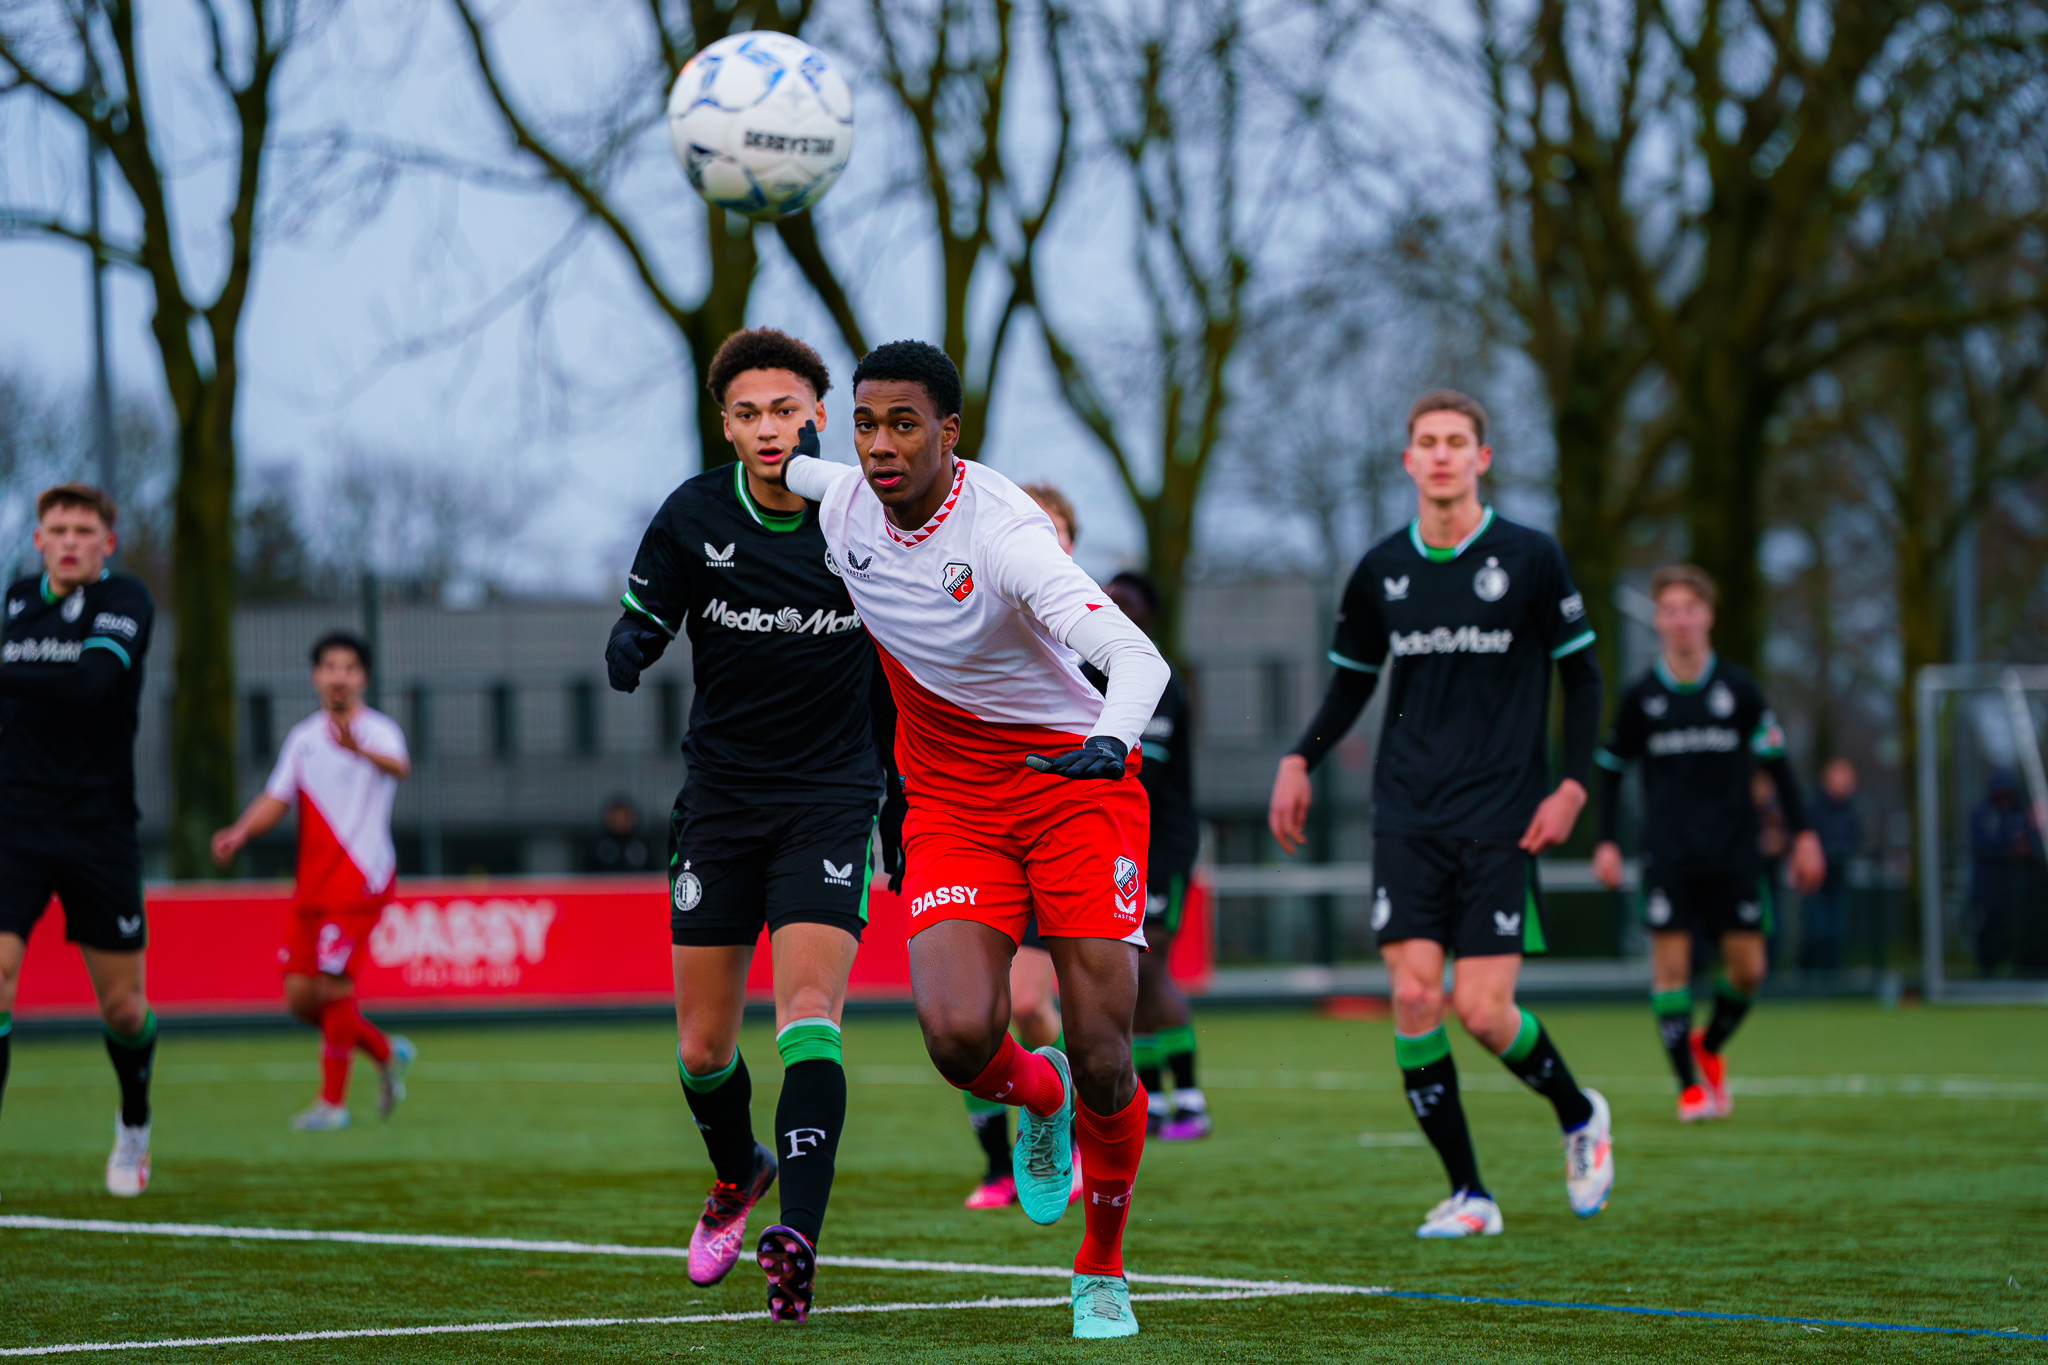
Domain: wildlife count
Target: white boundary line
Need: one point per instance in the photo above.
(437, 1241)
(756, 1315)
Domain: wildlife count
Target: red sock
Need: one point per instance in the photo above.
(1110, 1148)
(368, 1036)
(337, 1044)
(1019, 1077)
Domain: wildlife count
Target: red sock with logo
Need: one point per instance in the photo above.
(1019, 1077)
(1110, 1149)
(337, 1049)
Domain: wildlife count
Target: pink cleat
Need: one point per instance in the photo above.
(1074, 1194)
(1713, 1071)
(994, 1194)
(1187, 1125)
(791, 1265)
(715, 1240)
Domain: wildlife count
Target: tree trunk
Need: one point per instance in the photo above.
(729, 241)
(204, 797)
(1726, 409)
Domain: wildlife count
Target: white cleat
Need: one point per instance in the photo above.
(128, 1163)
(391, 1076)
(1589, 1160)
(322, 1117)
(1462, 1215)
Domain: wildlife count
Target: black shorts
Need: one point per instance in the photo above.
(734, 869)
(1477, 897)
(1709, 903)
(94, 870)
(1164, 898)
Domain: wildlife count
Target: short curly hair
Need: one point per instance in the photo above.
(765, 348)
(916, 362)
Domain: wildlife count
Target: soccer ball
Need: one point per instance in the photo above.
(762, 123)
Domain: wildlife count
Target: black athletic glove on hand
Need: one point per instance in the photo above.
(895, 806)
(1100, 756)
(633, 647)
(807, 441)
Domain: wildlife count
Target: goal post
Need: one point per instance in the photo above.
(1983, 913)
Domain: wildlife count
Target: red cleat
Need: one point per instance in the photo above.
(1713, 1076)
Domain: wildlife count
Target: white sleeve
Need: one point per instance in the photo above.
(812, 478)
(284, 778)
(383, 735)
(1137, 674)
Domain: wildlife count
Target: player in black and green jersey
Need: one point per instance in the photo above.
(1700, 727)
(776, 820)
(1468, 612)
(70, 694)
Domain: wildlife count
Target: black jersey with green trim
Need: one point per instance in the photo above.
(72, 758)
(781, 664)
(1699, 743)
(1469, 634)
(1168, 776)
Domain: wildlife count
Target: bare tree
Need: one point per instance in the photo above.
(82, 59)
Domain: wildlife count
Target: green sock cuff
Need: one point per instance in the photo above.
(704, 1085)
(808, 1040)
(1663, 1003)
(1145, 1051)
(1722, 987)
(1411, 1053)
(1525, 1039)
(142, 1038)
(1176, 1040)
(6, 1022)
(977, 1105)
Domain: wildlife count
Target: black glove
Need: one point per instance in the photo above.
(807, 442)
(1100, 756)
(633, 647)
(895, 806)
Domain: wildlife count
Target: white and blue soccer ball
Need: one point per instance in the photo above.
(762, 122)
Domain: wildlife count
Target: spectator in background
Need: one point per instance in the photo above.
(1825, 914)
(2008, 880)
(620, 848)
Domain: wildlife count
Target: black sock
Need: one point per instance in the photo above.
(992, 1131)
(1431, 1079)
(1533, 1058)
(1674, 1022)
(720, 1103)
(6, 1048)
(1729, 1007)
(134, 1058)
(807, 1123)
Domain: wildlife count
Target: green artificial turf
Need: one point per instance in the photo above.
(1882, 1200)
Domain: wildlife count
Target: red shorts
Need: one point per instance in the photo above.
(324, 938)
(1075, 858)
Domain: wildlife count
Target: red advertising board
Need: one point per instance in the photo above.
(504, 943)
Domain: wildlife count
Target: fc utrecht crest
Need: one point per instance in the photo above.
(957, 579)
(1127, 887)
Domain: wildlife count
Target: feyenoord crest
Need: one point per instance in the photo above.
(957, 579)
(688, 892)
(832, 564)
(1720, 700)
(1491, 582)
(74, 605)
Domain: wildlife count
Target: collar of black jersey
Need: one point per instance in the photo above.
(767, 520)
(1436, 555)
(50, 598)
(1670, 680)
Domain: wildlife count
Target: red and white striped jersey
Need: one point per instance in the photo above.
(344, 800)
(969, 613)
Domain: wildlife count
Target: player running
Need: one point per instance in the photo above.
(1165, 1038)
(341, 766)
(70, 688)
(776, 819)
(1469, 610)
(1023, 791)
(1700, 725)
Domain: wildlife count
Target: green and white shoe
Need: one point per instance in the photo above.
(391, 1076)
(322, 1117)
(1102, 1307)
(1043, 1159)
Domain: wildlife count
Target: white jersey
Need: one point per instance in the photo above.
(344, 801)
(972, 614)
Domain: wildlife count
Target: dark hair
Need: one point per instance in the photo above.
(76, 495)
(1139, 584)
(1688, 576)
(764, 348)
(918, 362)
(1450, 400)
(342, 639)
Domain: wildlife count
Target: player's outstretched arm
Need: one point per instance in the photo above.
(1809, 862)
(261, 817)
(1287, 813)
(1137, 675)
(806, 474)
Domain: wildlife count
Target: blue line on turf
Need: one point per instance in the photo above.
(1715, 1317)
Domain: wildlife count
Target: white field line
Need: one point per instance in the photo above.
(454, 1329)
(1948, 1087)
(437, 1241)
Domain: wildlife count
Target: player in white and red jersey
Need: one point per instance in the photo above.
(1022, 786)
(341, 766)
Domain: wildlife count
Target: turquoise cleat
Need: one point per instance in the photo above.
(1102, 1307)
(1043, 1159)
